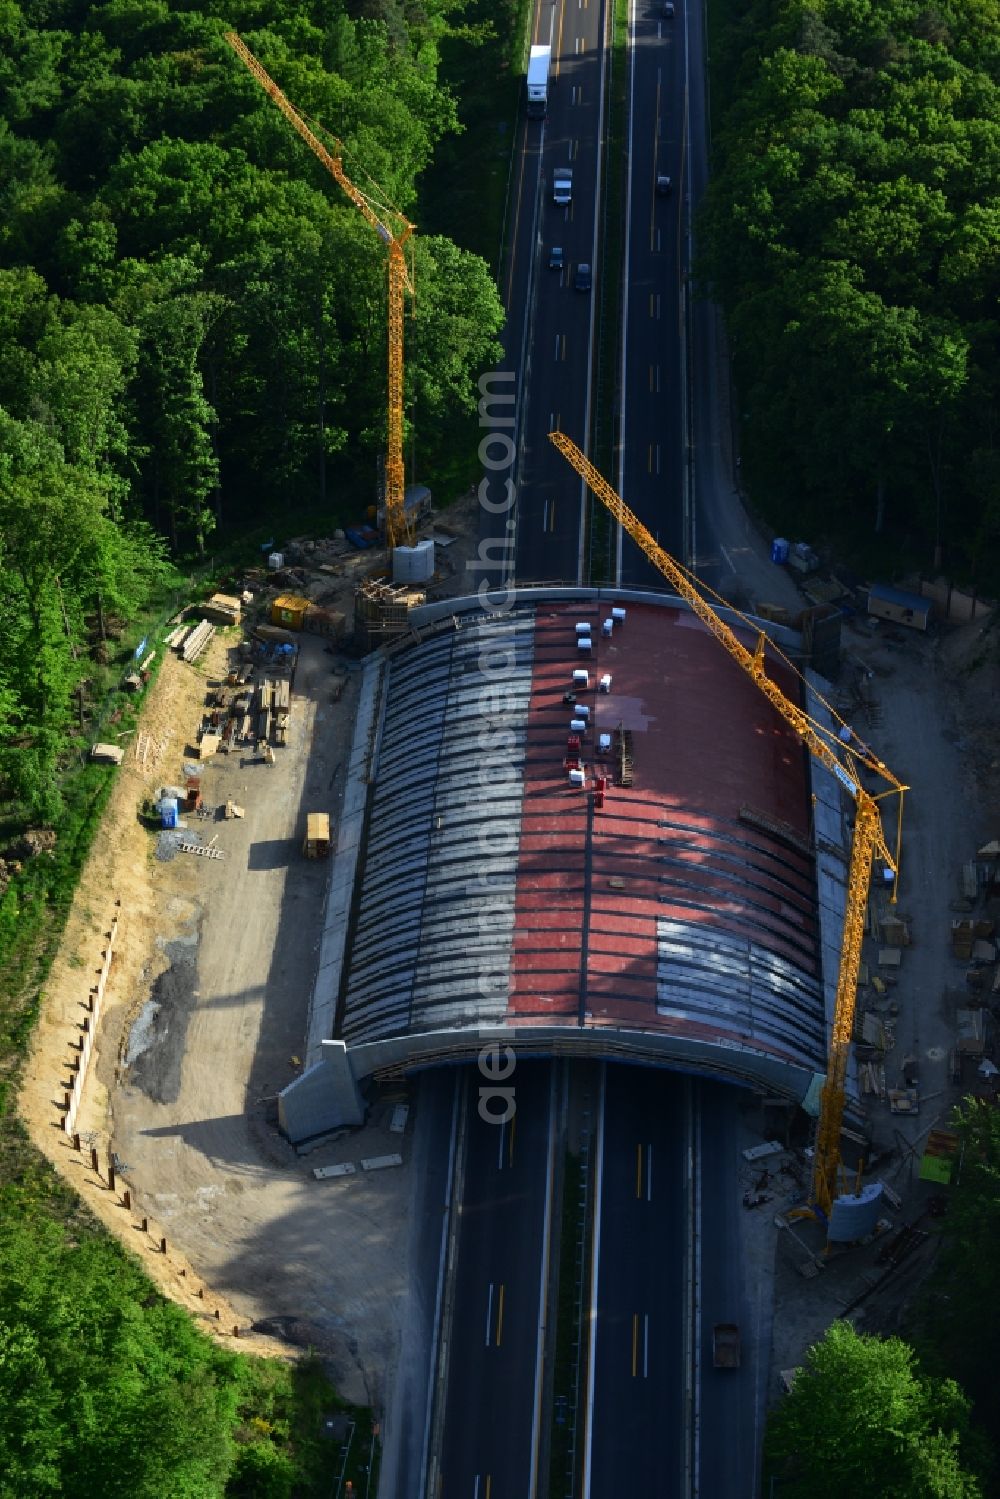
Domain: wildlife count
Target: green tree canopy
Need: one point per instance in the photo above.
(850, 232)
(861, 1419)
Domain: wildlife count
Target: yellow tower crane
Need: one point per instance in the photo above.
(397, 527)
(844, 761)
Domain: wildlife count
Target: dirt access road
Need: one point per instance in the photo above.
(206, 1014)
(209, 990)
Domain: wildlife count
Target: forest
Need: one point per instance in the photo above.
(193, 340)
(192, 325)
(851, 233)
(193, 315)
(883, 1418)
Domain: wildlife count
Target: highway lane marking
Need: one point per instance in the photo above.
(595, 1268)
(507, 1135)
(653, 459)
(494, 1338)
(576, 96)
(560, 354)
(647, 1173)
(562, 16)
(552, 515)
(635, 1345)
(581, 46)
(654, 305)
(654, 379)
(488, 1489)
(656, 155)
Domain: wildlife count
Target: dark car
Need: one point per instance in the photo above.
(556, 260)
(664, 186)
(582, 280)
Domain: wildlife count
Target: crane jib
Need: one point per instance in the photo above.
(845, 779)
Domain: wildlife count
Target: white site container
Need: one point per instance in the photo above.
(583, 628)
(582, 711)
(604, 685)
(578, 726)
(604, 744)
(581, 678)
(608, 627)
(577, 778)
(583, 644)
(618, 615)
(276, 561)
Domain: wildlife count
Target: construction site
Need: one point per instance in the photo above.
(223, 994)
(756, 847)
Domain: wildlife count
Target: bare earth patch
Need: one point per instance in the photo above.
(204, 1022)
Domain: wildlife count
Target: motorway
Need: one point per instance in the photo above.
(652, 460)
(674, 455)
(554, 357)
(638, 1321)
(656, 1418)
(496, 1307)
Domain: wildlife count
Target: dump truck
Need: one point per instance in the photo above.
(726, 1345)
(538, 81)
(562, 185)
(316, 844)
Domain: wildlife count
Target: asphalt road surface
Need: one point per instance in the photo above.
(492, 1400)
(556, 363)
(652, 467)
(670, 1264)
(636, 1442)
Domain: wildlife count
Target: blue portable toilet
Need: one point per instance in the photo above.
(168, 811)
(779, 551)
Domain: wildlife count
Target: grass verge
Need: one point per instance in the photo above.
(561, 1479)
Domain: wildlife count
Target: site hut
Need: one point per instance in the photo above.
(289, 609)
(899, 607)
(417, 500)
(677, 922)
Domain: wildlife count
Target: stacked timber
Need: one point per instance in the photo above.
(196, 640)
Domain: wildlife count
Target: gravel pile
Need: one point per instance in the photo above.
(169, 841)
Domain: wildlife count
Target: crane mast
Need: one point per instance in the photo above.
(868, 839)
(398, 529)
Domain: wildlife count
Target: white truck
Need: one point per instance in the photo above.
(562, 185)
(538, 81)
